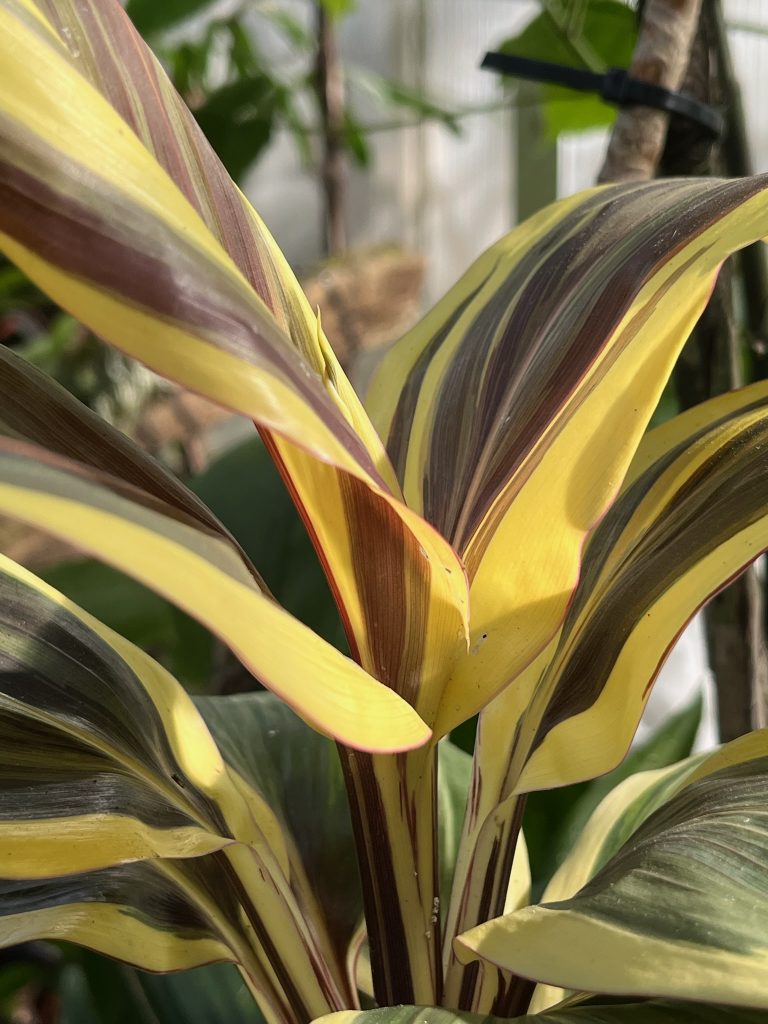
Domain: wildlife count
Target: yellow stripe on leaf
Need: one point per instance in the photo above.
(325, 688)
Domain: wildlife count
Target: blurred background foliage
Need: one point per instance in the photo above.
(244, 93)
(593, 36)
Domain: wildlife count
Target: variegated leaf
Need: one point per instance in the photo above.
(165, 259)
(691, 516)
(161, 916)
(197, 288)
(299, 775)
(36, 408)
(202, 574)
(621, 1013)
(119, 762)
(678, 911)
(512, 411)
(107, 763)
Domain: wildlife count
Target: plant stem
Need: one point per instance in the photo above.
(330, 92)
(664, 42)
(282, 935)
(481, 880)
(394, 814)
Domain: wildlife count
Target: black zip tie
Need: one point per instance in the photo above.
(615, 86)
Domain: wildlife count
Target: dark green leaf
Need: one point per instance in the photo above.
(298, 772)
(454, 773)
(123, 995)
(291, 27)
(389, 92)
(150, 16)
(354, 139)
(338, 8)
(242, 52)
(121, 603)
(238, 119)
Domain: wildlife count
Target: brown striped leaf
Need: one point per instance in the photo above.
(204, 576)
(162, 917)
(35, 408)
(185, 277)
(512, 411)
(685, 524)
(106, 763)
(694, 513)
(91, 739)
(180, 272)
(362, 538)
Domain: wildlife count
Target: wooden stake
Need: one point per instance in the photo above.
(661, 57)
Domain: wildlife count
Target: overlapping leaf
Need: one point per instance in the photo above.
(192, 283)
(107, 763)
(693, 513)
(157, 915)
(557, 341)
(112, 202)
(691, 516)
(114, 798)
(677, 911)
(103, 761)
(628, 1013)
(160, 916)
(35, 408)
(298, 774)
(204, 576)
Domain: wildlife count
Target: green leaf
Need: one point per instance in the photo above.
(354, 139)
(188, 64)
(338, 8)
(213, 994)
(151, 16)
(238, 119)
(207, 995)
(132, 610)
(605, 38)
(297, 772)
(390, 92)
(628, 1013)
(242, 52)
(76, 1001)
(454, 774)
(291, 27)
